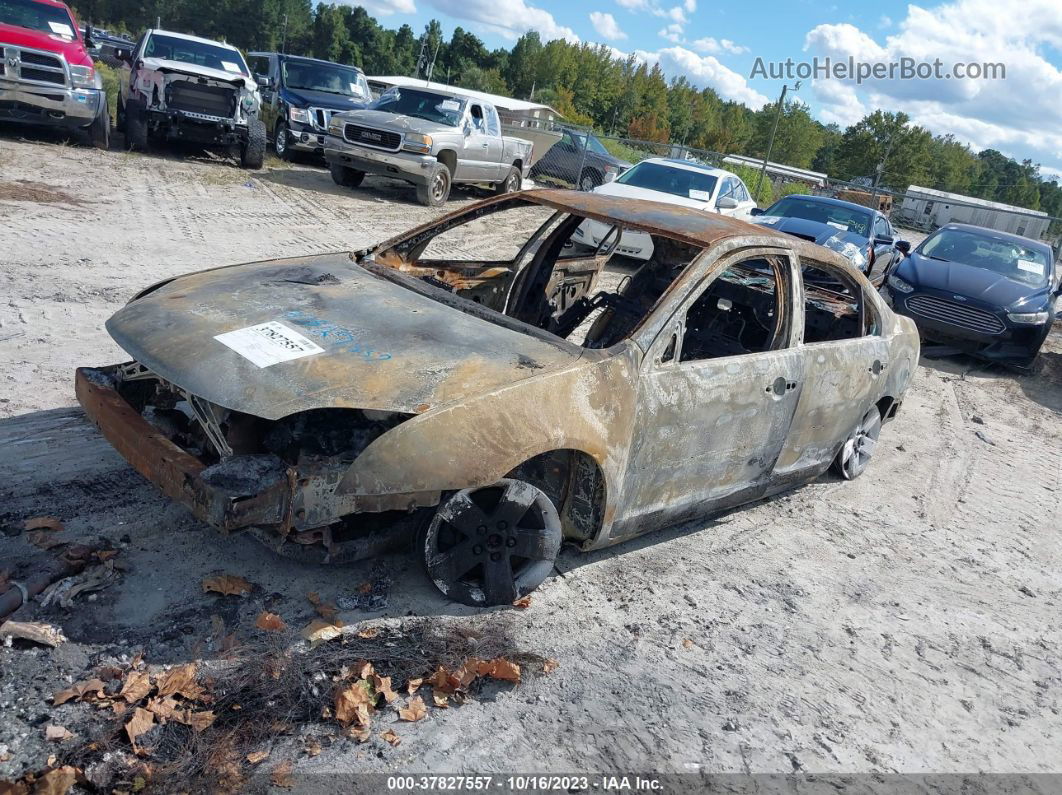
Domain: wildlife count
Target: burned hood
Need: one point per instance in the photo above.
(276, 338)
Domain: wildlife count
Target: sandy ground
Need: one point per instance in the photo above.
(905, 622)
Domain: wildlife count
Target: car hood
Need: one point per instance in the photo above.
(381, 345)
(322, 99)
(383, 120)
(964, 280)
(166, 65)
(631, 192)
(71, 48)
(814, 231)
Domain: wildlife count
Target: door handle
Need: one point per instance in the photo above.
(877, 366)
(485, 145)
(780, 386)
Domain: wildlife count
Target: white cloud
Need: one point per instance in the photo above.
(508, 18)
(677, 14)
(690, 6)
(705, 70)
(634, 5)
(672, 33)
(385, 8)
(711, 45)
(1011, 115)
(606, 26)
(885, 21)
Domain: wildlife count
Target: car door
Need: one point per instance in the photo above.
(712, 420)
(562, 159)
(497, 168)
(474, 163)
(744, 198)
(845, 361)
(884, 243)
(126, 77)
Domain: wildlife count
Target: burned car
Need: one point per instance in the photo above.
(490, 388)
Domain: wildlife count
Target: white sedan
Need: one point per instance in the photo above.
(670, 181)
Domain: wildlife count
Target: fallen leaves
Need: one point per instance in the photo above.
(227, 584)
(136, 687)
(256, 757)
(442, 701)
(687, 644)
(354, 704)
(35, 631)
(318, 631)
(180, 680)
(523, 602)
(369, 633)
(57, 781)
(326, 610)
(414, 710)
(391, 737)
(79, 691)
(550, 665)
(270, 622)
(141, 723)
(43, 523)
(57, 734)
(414, 684)
(499, 668)
(281, 775)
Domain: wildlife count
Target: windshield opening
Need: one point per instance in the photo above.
(328, 78)
(426, 105)
(1005, 257)
(199, 53)
(37, 16)
(846, 219)
(685, 182)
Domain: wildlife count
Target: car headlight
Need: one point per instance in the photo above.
(335, 127)
(415, 142)
(299, 115)
(1032, 318)
(849, 251)
(83, 77)
(896, 283)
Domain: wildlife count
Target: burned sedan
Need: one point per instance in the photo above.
(489, 387)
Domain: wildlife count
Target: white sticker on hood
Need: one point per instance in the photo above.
(61, 29)
(269, 343)
(700, 195)
(1031, 266)
(229, 66)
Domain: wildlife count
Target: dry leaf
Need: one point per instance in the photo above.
(383, 686)
(281, 775)
(35, 631)
(141, 722)
(363, 669)
(312, 747)
(357, 733)
(166, 708)
(318, 632)
(549, 666)
(106, 554)
(442, 701)
(369, 632)
(523, 602)
(415, 710)
(355, 703)
(137, 686)
(257, 756)
(44, 523)
(440, 680)
(57, 733)
(270, 622)
(501, 669)
(391, 737)
(198, 720)
(44, 539)
(227, 584)
(180, 680)
(57, 781)
(79, 690)
(413, 685)
(687, 644)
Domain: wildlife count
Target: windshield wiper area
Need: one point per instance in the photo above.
(938, 259)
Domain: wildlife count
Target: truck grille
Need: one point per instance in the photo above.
(321, 117)
(955, 314)
(34, 66)
(369, 136)
(199, 98)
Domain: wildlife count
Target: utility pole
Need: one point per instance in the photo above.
(284, 36)
(774, 129)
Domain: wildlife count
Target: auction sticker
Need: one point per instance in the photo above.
(269, 343)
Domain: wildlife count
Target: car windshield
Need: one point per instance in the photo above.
(37, 16)
(426, 105)
(686, 182)
(590, 142)
(199, 53)
(326, 77)
(998, 254)
(846, 218)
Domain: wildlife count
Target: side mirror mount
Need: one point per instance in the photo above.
(756, 211)
(90, 43)
(727, 203)
(884, 240)
(264, 81)
(903, 246)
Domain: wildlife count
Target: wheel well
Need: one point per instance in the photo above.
(887, 407)
(448, 158)
(591, 169)
(575, 483)
(518, 165)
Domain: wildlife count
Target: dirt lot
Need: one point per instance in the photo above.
(905, 622)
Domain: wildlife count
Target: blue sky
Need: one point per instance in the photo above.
(717, 44)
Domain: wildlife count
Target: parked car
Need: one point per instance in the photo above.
(46, 73)
(478, 384)
(865, 236)
(988, 293)
(579, 158)
(681, 182)
(105, 44)
(177, 87)
(430, 138)
(299, 96)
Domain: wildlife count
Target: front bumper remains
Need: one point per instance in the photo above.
(400, 165)
(27, 103)
(184, 125)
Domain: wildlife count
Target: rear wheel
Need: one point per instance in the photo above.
(858, 448)
(437, 190)
(346, 177)
(252, 151)
(510, 184)
(492, 545)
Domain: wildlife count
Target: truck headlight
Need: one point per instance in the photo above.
(335, 127)
(415, 142)
(898, 284)
(1031, 318)
(83, 77)
(299, 115)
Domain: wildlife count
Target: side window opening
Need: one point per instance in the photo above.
(738, 313)
(833, 306)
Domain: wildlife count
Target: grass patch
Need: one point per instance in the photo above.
(112, 85)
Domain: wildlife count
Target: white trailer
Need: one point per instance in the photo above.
(926, 208)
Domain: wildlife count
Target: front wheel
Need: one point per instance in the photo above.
(492, 545)
(99, 132)
(858, 448)
(252, 152)
(280, 142)
(589, 180)
(437, 190)
(345, 177)
(136, 129)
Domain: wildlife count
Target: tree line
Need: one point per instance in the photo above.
(589, 85)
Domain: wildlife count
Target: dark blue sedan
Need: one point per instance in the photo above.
(984, 292)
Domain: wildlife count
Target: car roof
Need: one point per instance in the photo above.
(186, 37)
(54, 3)
(289, 57)
(833, 201)
(1010, 238)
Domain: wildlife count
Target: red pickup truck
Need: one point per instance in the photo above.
(46, 74)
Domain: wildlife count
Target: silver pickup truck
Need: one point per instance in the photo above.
(430, 138)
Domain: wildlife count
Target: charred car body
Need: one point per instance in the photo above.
(496, 405)
(182, 88)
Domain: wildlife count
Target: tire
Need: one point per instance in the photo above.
(345, 177)
(136, 130)
(437, 190)
(492, 545)
(589, 180)
(510, 184)
(99, 132)
(119, 116)
(280, 142)
(855, 454)
(252, 151)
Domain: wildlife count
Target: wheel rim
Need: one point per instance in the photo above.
(280, 141)
(438, 186)
(490, 546)
(513, 183)
(588, 183)
(858, 450)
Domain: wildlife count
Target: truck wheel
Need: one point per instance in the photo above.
(437, 190)
(280, 142)
(859, 447)
(99, 132)
(589, 180)
(345, 177)
(119, 116)
(136, 131)
(510, 184)
(492, 545)
(252, 152)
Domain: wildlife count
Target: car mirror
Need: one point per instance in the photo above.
(727, 203)
(884, 240)
(903, 246)
(264, 81)
(756, 211)
(123, 54)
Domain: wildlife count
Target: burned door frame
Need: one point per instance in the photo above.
(665, 479)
